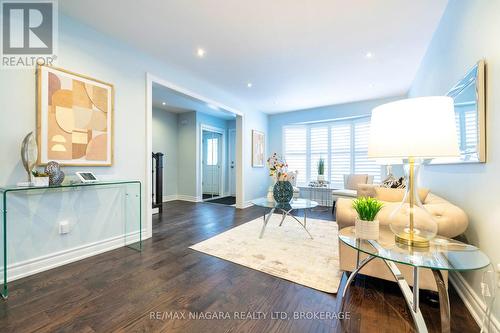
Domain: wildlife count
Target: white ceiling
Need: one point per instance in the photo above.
(179, 103)
(297, 53)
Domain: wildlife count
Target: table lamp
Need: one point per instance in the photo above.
(413, 129)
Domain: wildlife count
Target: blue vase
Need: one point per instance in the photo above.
(283, 192)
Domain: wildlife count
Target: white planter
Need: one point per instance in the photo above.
(321, 178)
(367, 229)
(40, 181)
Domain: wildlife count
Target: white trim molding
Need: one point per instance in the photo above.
(473, 302)
(36, 265)
(246, 204)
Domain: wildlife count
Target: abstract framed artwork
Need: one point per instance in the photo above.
(258, 149)
(74, 118)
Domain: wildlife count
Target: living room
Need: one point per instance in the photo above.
(364, 142)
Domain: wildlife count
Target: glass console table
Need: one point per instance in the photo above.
(42, 224)
(286, 209)
(444, 254)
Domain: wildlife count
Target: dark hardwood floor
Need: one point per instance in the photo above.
(122, 290)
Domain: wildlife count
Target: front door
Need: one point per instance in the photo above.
(212, 164)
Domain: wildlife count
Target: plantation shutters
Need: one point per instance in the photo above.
(342, 144)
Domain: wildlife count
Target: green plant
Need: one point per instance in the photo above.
(321, 166)
(367, 208)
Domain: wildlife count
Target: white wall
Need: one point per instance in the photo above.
(468, 32)
(86, 51)
(165, 140)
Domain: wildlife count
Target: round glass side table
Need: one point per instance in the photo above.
(443, 254)
(285, 209)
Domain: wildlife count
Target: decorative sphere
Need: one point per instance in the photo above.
(56, 175)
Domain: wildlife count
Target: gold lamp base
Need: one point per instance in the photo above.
(410, 239)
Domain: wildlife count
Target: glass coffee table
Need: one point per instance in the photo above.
(443, 254)
(285, 209)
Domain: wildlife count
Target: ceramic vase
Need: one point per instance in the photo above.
(366, 229)
(283, 192)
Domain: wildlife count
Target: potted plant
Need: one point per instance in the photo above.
(366, 226)
(321, 170)
(40, 179)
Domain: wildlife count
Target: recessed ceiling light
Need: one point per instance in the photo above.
(163, 103)
(200, 52)
(368, 55)
(249, 84)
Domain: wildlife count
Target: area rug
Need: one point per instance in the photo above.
(286, 252)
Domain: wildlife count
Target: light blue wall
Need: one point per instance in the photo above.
(277, 121)
(254, 186)
(165, 140)
(86, 51)
(468, 32)
(186, 162)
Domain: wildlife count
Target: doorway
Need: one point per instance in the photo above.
(190, 108)
(212, 170)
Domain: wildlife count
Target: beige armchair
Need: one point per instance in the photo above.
(452, 221)
(351, 184)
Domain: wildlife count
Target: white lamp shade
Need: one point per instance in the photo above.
(421, 127)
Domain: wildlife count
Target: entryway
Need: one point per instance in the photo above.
(213, 151)
(202, 144)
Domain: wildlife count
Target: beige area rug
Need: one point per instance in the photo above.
(286, 252)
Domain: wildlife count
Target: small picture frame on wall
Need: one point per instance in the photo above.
(258, 149)
(74, 118)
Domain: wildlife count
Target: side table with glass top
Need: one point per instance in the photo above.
(285, 209)
(443, 254)
(93, 213)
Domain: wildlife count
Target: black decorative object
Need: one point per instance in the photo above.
(56, 175)
(283, 192)
(158, 181)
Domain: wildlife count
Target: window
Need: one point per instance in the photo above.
(466, 124)
(212, 145)
(342, 144)
(296, 151)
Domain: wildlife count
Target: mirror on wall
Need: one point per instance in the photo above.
(470, 116)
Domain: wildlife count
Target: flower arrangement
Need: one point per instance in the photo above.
(278, 168)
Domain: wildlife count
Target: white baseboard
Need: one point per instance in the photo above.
(46, 262)
(473, 302)
(189, 198)
(246, 204)
(173, 197)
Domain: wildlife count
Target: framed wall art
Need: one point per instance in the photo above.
(74, 118)
(258, 149)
